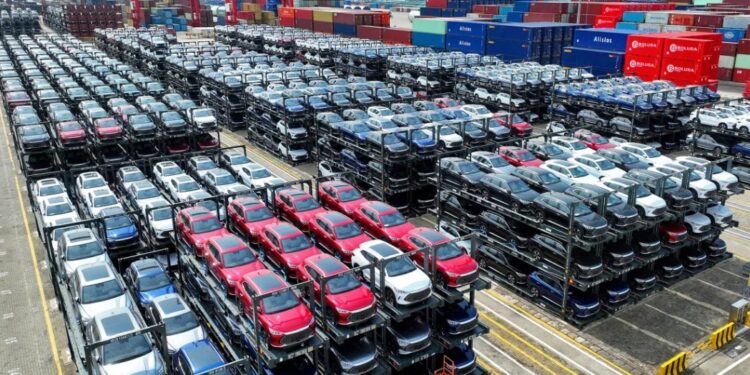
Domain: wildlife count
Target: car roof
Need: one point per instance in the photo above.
(95, 273)
(383, 249)
(227, 242)
(202, 356)
(115, 322)
(429, 234)
(591, 187)
(147, 265)
(561, 196)
(83, 234)
(379, 206)
(335, 217)
(170, 304)
(266, 281)
(328, 265)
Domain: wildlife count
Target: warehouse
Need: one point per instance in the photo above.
(439, 187)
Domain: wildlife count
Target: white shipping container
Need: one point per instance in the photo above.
(652, 27)
(737, 22)
(657, 17)
(726, 62)
(669, 28)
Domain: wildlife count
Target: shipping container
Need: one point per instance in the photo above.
(514, 31)
(514, 51)
(737, 22)
(344, 29)
(436, 41)
(742, 61)
(305, 24)
(430, 25)
(396, 35)
(601, 62)
(657, 17)
(682, 70)
(726, 62)
(686, 49)
(644, 67)
(466, 44)
(604, 39)
(725, 74)
(369, 32)
(468, 28)
(741, 75)
(323, 16)
(323, 27)
(730, 34)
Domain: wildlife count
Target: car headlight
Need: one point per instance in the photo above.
(292, 266)
(231, 281)
(342, 311)
(393, 239)
(275, 332)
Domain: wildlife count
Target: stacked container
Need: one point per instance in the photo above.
(430, 32)
(601, 49)
(537, 41)
(467, 36)
(608, 14)
(81, 20)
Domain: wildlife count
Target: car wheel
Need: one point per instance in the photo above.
(390, 298)
(738, 155)
(581, 121)
(641, 212)
(441, 145)
(534, 291)
(578, 231)
(482, 228)
(722, 127)
(536, 253)
(539, 216)
(485, 194)
(515, 206)
(600, 124)
(511, 278)
(717, 152)
(744, 130)
(465, 186)
(482, 263)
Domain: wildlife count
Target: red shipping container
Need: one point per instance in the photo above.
(303, 14)
(729, 48)
(605, 22)
(741, 75)
(682, 19)
(696, 49)
(613, 10)
(682, 70)
(591, 8)
(305, 24)
(286, 12)
(713, 85)
(645, 67)
(437, 3)
(644, 45)
(323, 27)
(743, 47)
(397, 35)
(542, 17)
(547, 7)
(709, 20)
(725, 74)
(348, 18)
(370, 32)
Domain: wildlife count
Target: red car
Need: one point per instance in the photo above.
(517, 126)
(207, 142)
(176, 146)
(249, 215)
(350, 300)
(519, 157)
(17, 99)
(383, 221)
(455, 266)
(297, 206)
(673, 232)
(338, 234)
(593, 140)
(283, 318)
(339, 196)
(287, 247)
(107, 128)
(197, 225)
(446, 102)
(229, 258)
(70, 133)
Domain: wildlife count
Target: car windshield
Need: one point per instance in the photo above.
(161, 214)
(349, 195)
(181, 323)
(581, 210)
(347, 230)
(399, 266)
(153, 281)
(360, 128)
(50, 190)
(188, 186)
(282, 301)
(147, 193)
(83, 251)
(669, 184)
(419, 135)
(577, 172)
(343, 283)
(613, 200)
(576, 145)
(117, 222)
(548, 178)
(59, 209)
(70, 126)
(101, 292)
(600, 140)
(392, 219)
(29, 119)
(525, 155)
(305, 204)
(238, 159)
(695, 176)
(34, 130)
(651, 152)
(468, 168)
(296, 243)
(171, 116)
(225, 179)
(139, 119)
(125, 349)
(448, 251)
(258, 214)
(518, 186)
(261, 173)
(642, 192)
(108, 123)
(628, 158)
(107, 200)
(133, 176)
(390, 139)
(206, 225)
(238, 258)
(606, 165)
(64, 116)
(482, 111)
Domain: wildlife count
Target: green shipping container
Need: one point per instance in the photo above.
(430, 25)
(742, 61)
(323, 16)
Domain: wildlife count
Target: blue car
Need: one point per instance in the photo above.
(615, 292)
(350, 159)
(149, 280)
(420, 141)
(197, 358)
(741, 150)
(294, 105)
(317, 103)
(118, 228)
(463, 358)
(457, 318)
(354, 130)
(581, 305)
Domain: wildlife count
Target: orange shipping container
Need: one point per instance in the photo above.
(286, 12)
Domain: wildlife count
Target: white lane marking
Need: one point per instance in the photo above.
(504, 354)
(733, 365)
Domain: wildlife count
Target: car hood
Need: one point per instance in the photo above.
(474, 177)
(353, 300)
(141, 365)
(36, 138)
(660, 160)
(588, 179)
(698, 219)
(719, 211)
(237, 272)
(461, 265)
(651, 200)
(204, 119)
(413, 281)
(526, 196)
(122, 233)
(637, 165)
(162, 225)
(90, 310)
(584, 300)
(298, 257)
(592, 220)
(112, 130)
(72, 265)
(148, 296)
(177, 341)
(175, 123)
(353, 242)
(399, 231)
(293, 319)
(558, 187)
(268, 181)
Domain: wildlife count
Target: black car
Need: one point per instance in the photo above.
(356, 356)
(403, 108)
(327, 121)
(669, 268)
(556, 207)
(618, 212)
(392, 147)
(619, 254)
(33, 137)
(459, 209)
(642, 280)
(715, 248)
(623, 159)
(552, 253)
(547, 151)
(471, 132)
(647, 243)
(112, 154)
(540, 179)
(675, 195)
(461, 173)
(172, 122)
(141, 125)
(38, 163)
(145, 150)
(513, 270)
(693, 257)
(408, 336)
(508, 190)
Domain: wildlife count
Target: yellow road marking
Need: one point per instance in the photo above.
(528, 344)
(561, 334)
(32, 250)
(259, 153)
(523, 353)
(487, 366)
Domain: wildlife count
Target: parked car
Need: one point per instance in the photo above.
(180, 323)
(228, 259)
(519, 157)
(580, 305)
(558, 207)
(196, 225)
(461, 173)
(540, 180)
(96, 288)
(149, 280)
(382, 221)
(286, 247)
(337, 233)
(455, 266)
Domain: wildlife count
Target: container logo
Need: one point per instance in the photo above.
(679, 69)
(641, 64)
(464, 28)
(636, 44)
(682, 48)
(729, 35)
(602, 39)
(464, 43)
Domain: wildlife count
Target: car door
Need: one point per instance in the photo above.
(418, 256)
(324, 233)
(214, 260)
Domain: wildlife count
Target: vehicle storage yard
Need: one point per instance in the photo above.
(521, 331)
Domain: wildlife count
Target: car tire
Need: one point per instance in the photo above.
(511, 278)
(717, 152)
(482, 262)
(539, 216)
(738, 155)
(578, 231)
(641, 212)
(535, 253)
(600, 124)
(534, 292)
(465, 186)
(485, 194)
(515, 206)
(581, 121)
(744, 130)
(390, 297)
(722, 127)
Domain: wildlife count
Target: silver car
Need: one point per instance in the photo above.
(181, 323)
(136, 354)
(97, 288)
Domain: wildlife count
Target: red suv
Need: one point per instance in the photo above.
(455, 266)
(383, 221)
(284, 320)
(593, 140)
(249, 215)
(197, 225)
(519, 157)
(70, 133)
(107, 128)
(350, 300)
(340, 196)
(337, 233)
(673, 232)
(229, 258)
(517, 126)
(297, 206)
(287, 247)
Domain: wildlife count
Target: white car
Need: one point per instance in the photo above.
(181, 323)
(58, 232)
(292, 153)
(138, 355)
(483, 94)
(569, 172)
(181, 187)
(200, 165)
(404, 282)
(77, 248)
(447, 138)
(380, 111)
(477, 111)
(165, 171)
(701, 188)
(129, 175)
(426, 82)
(256, 175)
(507, 99)
(725, 180)
(716, 118)
(645, 153)
(89, 181)
(56, 209)
(491, 162)
(141, 193)
(159, 218)
(698, 224)
(48, 188)
(100, 199)
(719, 214)
(572, 145)
(96, 288)
(233, 160)
(647, 204)
(220, 180)
(597, 165)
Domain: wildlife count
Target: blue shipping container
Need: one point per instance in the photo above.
(603, 39)
(515, 16)
(466, 44)
(602, 62)
(339, 28)
(514, 51)
(522, 6)
(637, 17)
(428, 40)
(731, 35)
(627, 26)
(514, 31)
(432, 12)
(467, 28)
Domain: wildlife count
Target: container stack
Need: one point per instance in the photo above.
(607, 15)
(171, 17)
(430, 32)
(455, 8)
(536, 41)
(81, 20)
(496, 12)
(332, 20)
(685, 58)
(603, 50)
